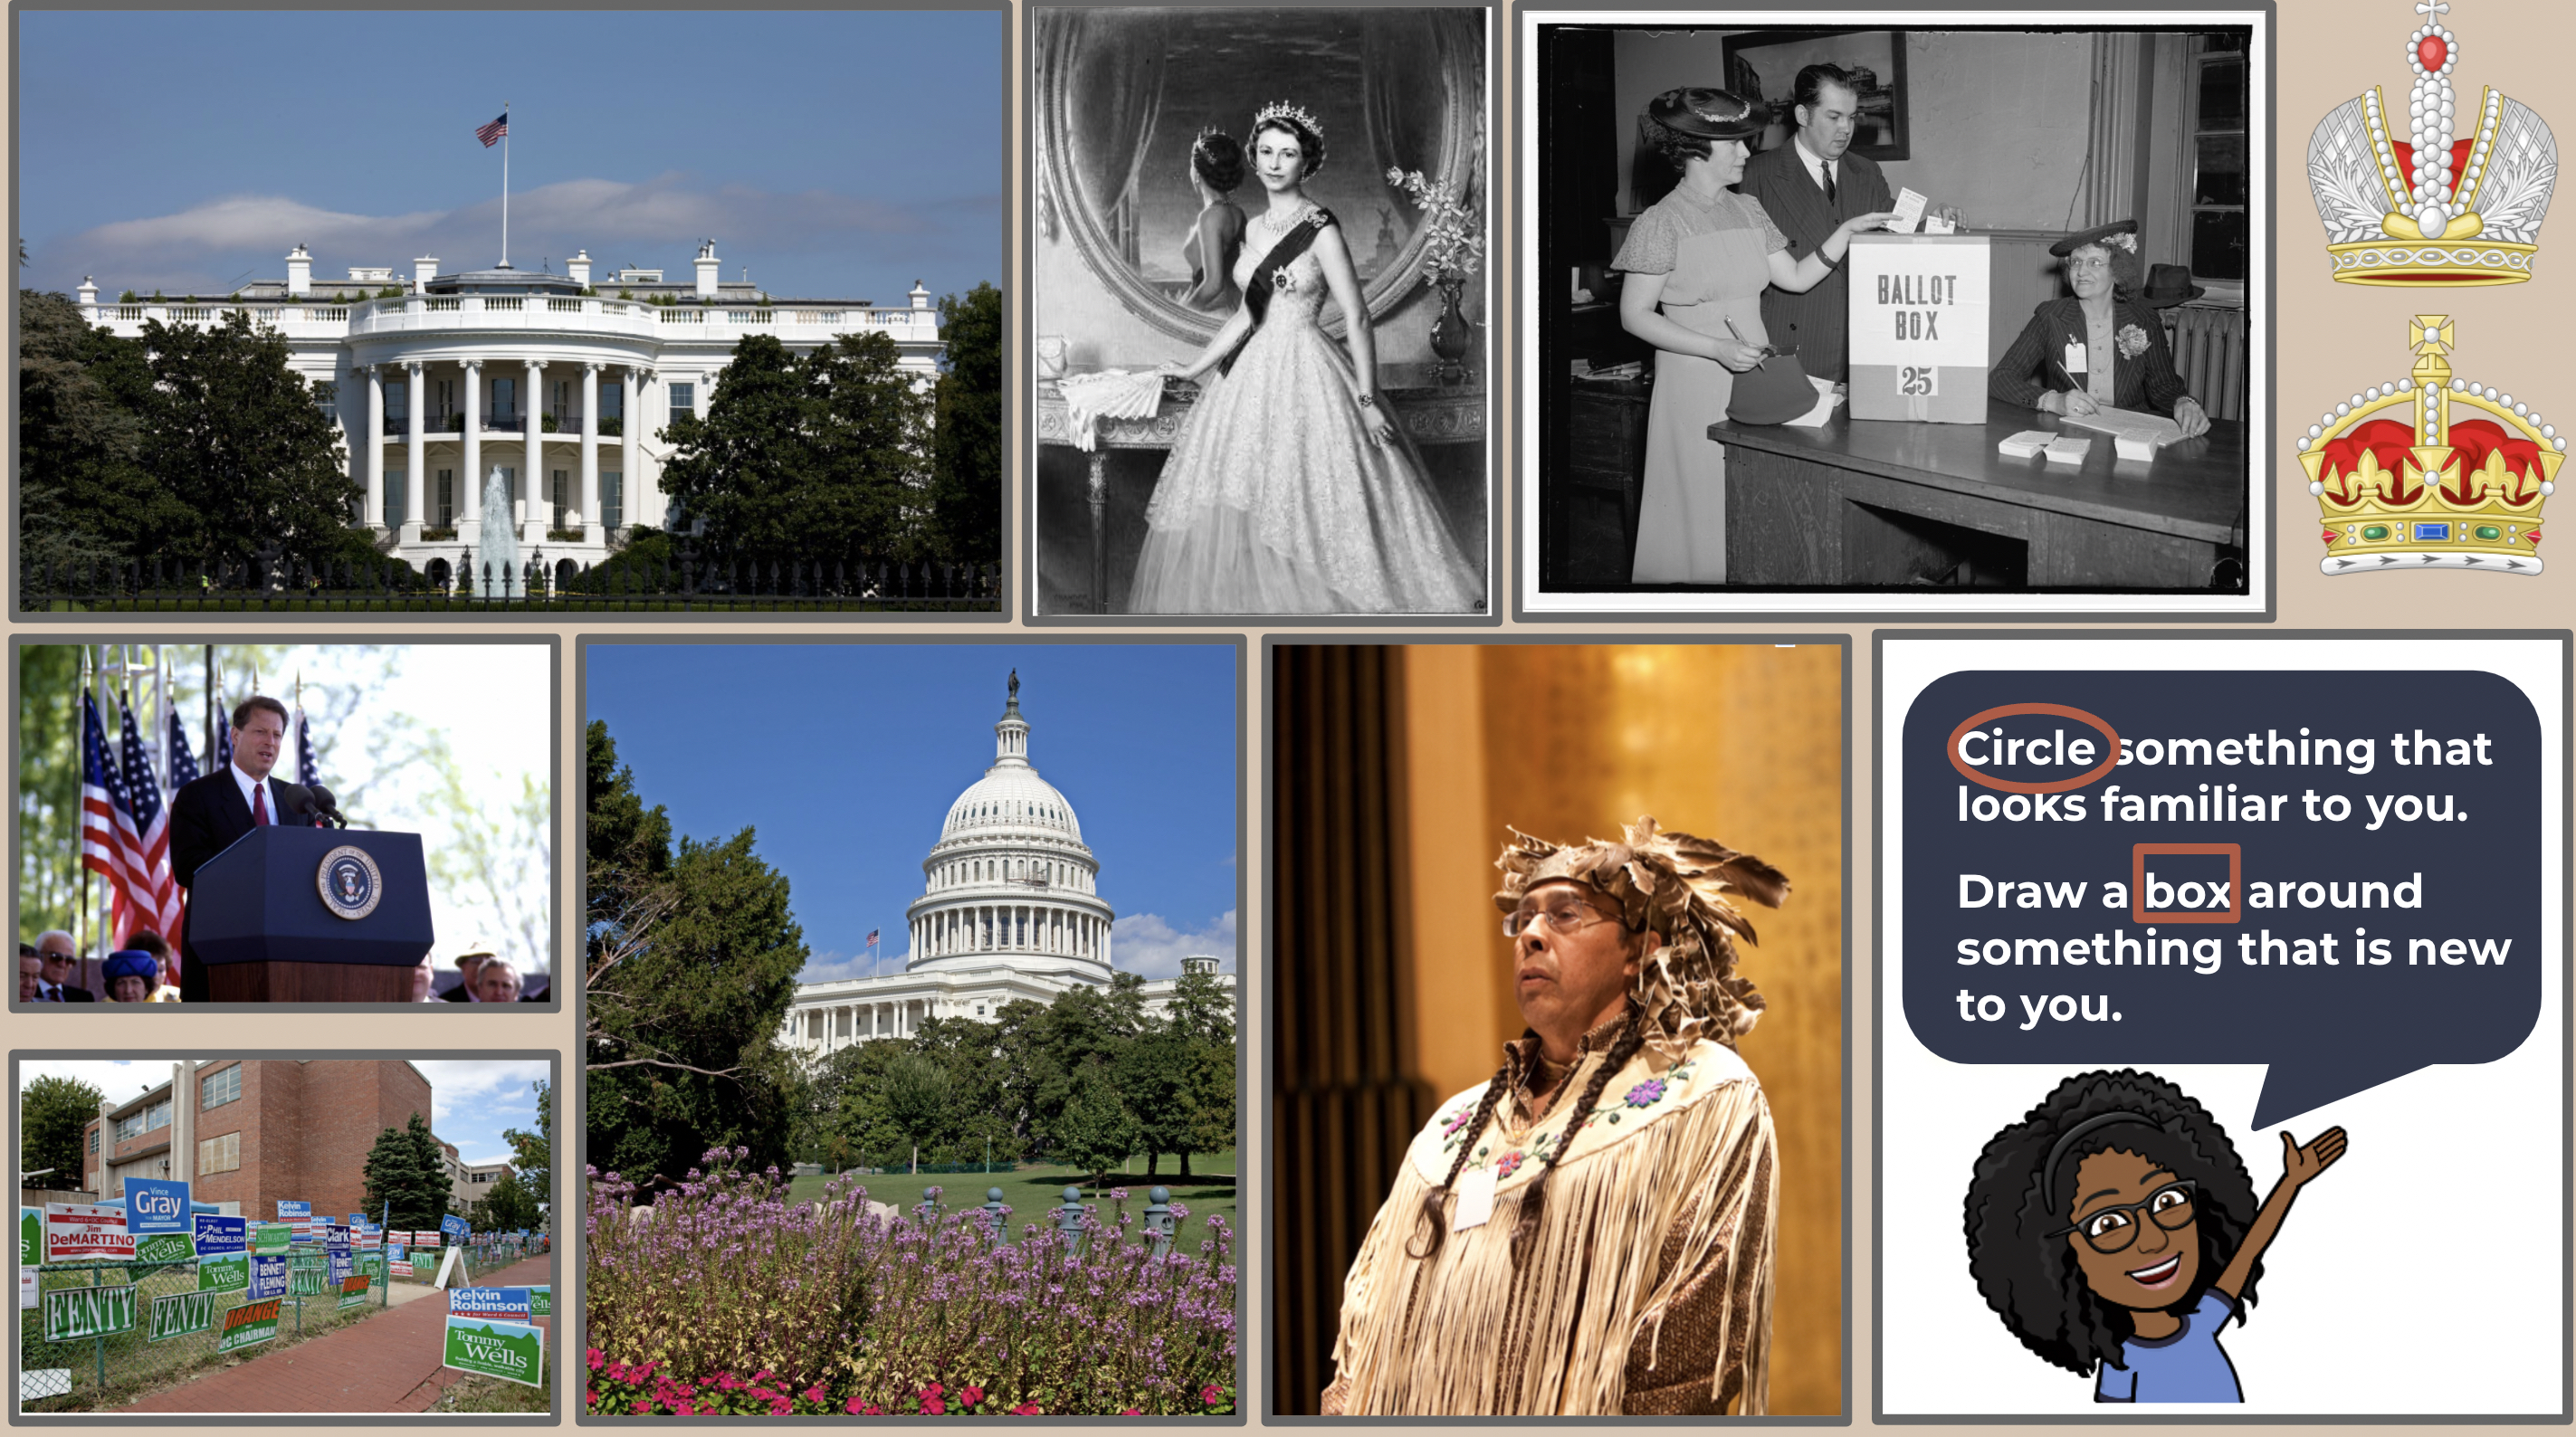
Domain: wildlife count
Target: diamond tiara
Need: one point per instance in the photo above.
(1282, 110)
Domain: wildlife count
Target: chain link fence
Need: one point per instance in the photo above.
(103, 1333)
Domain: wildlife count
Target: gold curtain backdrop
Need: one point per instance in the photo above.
(1739, 743)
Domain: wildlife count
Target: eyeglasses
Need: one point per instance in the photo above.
(2113, 1229)
(1563, 914)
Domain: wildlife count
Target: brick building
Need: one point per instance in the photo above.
(247, 1133)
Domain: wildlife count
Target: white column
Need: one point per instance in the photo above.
(471, 528)
(630, 456)
(590, 450)
(375, 511)
(415, 488)
(532, 490)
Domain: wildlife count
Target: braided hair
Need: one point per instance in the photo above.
(1632, 1037)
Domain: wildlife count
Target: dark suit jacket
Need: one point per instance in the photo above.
(207, 817)
(1814, 321)
(77, 995)
(2035, 364)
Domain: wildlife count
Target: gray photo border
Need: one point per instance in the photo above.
(553, 644)
(2262, 461)
(557, 1382)
(2566, 641)
(1007, 574)
(1499, 585)
(1243, 758)
(1270, 1414)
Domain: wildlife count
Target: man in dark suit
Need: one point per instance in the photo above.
(55, 985)
(1809, 187)
(211, 814)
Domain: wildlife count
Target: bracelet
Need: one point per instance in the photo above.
(1368, 401)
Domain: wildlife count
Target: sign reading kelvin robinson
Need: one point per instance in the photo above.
(511, 1351)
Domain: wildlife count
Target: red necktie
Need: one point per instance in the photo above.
(259, 805)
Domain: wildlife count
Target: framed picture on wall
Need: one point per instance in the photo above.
(1766, 63)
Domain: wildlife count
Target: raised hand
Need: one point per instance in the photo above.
(2301, 1165)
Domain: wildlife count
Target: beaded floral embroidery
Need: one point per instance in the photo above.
(1646, 1094)
(1507, 1164)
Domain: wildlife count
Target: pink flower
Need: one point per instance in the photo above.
(814, 1393)
(855, 1407)
(1211, 1394)
(970, 1395)
(1507, 1164)
(932, 1390)
(1028, 1409)
(643, 1404)
(728, 1382)
(933, 1407)
(1131, 1412)
(598, 1359)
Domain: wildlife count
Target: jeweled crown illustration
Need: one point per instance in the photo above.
(2433, 471)
(2433, 196)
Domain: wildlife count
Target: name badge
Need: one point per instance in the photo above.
(2074, 357)
(1475, 1199)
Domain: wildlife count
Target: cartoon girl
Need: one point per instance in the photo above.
(2115, 1232)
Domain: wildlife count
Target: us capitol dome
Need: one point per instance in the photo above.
(1010, 908)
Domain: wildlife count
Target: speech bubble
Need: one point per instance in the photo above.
(2211, 799)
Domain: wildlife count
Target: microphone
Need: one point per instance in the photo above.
(321, 803)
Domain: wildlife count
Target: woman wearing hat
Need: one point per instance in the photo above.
(131, 973)
(1696, 264)
(2103, 347)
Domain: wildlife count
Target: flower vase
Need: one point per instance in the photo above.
(1451, 334)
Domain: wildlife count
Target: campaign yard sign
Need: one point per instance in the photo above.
(220, 1236)
(353, 1289)
(338, 1238)
(224, 1274)
(183, 1313)
(250, 1323)
(305, 1278)
(454, 1226)
(511, 1351)
(488, 1302)
(294, 1211)
(401, 1269)
(155, 1205)
(273, 1237)
(167, 1248)
(31, 1253)
(267, 1277)
(541, 1302)
(342, 1264)
(72, 1313)
(86, 1232)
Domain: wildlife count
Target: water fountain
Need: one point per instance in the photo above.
(497, 573)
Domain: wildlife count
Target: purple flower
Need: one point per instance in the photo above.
(1646, 1094)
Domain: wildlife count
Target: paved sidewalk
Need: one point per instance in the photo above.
(386, 1362)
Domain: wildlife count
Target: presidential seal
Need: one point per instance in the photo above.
(350, 882)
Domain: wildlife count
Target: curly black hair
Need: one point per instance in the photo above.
(1218, 160)
(1677, 148)
(2032, 1281)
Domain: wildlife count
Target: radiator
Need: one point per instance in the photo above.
(2209, 354)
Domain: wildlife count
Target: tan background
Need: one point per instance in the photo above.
(2333, 340)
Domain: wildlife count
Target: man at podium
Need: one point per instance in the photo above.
(209, 815)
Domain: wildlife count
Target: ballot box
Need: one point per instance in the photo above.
(1918, 326)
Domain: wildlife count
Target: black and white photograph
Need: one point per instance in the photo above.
(1845, 319)
(1260, 304)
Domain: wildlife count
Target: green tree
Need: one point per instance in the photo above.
(1095, 1132)
(49, 785)
(236, 435)
(84, 493)
(803, 460)
(532, 1154)
(916, 1094)
(52, 1114)
(966, 442)
(506, 1206)
(692, 962)
(407, 1170)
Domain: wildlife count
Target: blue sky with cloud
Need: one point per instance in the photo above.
(838, 154)
(471, 1101)
(845, 758)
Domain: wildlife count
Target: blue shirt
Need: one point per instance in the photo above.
(2189, 1366)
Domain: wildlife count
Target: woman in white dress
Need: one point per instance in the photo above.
(1289, 489)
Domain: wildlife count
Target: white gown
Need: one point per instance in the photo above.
(1275, 502)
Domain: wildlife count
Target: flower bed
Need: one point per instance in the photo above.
(836, 1310)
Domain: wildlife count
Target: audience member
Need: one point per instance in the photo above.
(131, 972)
(55, 947)
(166, 982)
(468, 963)
(424, 980)
(497, 981)
(31, 974)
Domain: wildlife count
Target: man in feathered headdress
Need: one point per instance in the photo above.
(1590, 1233)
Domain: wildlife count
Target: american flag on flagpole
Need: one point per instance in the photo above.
(308, 770)
(183, 760)
(491, 134)
(103, 809)
(156, 893)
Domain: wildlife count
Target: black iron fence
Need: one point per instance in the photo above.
(683, 582)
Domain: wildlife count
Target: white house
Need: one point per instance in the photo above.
(561, 378)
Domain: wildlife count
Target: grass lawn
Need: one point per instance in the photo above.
(1034, 1188)
(137, 1366)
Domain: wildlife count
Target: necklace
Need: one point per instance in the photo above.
(1280, 227)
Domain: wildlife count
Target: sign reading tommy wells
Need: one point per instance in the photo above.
(2223, 867)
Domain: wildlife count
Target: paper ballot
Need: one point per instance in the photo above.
(1909, 209)
(1935, 225)
(2136, 435)
(1827, 396)
(2025, 444)
(2068, 449)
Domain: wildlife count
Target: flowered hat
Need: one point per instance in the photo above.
(1682, 889)
(2104, 235)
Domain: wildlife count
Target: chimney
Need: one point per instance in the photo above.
(920, 296)
(423, 270)
(299, 271)
(707, 265)
(89, 299)
(579, 268)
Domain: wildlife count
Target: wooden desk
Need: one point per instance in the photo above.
(1846, 506)
(1430, 411)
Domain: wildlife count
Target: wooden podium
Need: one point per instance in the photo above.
(259, 920)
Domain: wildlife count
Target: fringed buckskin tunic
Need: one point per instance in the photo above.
(1648, 1287)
